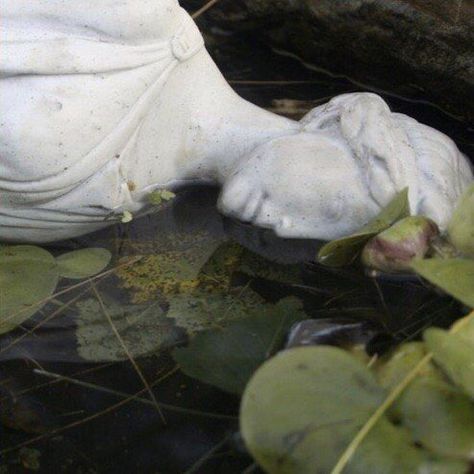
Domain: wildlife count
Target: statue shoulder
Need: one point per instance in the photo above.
(132, 21)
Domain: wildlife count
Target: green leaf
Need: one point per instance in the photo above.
(201, 310)
(126, 217)
(438, 415)
(227, 357)
(83, 263)
(303, 407)
(157, 197)
(343, 251)
(461, 226)
(454, 275)
(454, 353)
(143, 329)
(28, 276)
(394, 367)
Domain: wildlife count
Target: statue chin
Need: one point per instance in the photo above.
(120, 105)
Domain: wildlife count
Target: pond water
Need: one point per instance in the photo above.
(73, 400)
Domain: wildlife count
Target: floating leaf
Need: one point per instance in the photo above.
(454, 275)
(343, 251)
(454, 353)
(438, 415)
(303, 407)
(228, 357)
(83, 263)
(393, 368)
(28, 276)
(461, 226)
(126, 217)
(157, 197)
(143, 329)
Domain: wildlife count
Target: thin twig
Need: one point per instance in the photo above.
(29, 332)
(145, 401)
(127, 352)
(88, 418)
(252, 468)
(73, 424)
(204, 9)
(54, 382)
(200, 462)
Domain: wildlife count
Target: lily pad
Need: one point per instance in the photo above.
(453, 275)
(83, 263)
(227, 357)
(454, 353)
(344, 251)
(461, 226)
(28, 276)
(439, 416)
(302, 408)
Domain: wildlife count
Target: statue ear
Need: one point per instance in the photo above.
(379, 144)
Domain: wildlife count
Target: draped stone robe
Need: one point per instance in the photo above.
(78, 79)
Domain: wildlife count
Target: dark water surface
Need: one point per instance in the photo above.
(91, 424)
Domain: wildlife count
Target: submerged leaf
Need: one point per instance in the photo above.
(303, 407)
(167, 270)
(228, 357)
(343, 251)
(28, 276)
(143, 329)
(461, 226)
(83, 263)
(201, 310)
(454, 275)
(206, 264)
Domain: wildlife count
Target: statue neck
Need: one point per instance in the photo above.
(221, 127)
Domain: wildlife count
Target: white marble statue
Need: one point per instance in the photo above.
(104, 101)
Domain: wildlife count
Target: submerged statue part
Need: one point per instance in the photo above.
(103, 102)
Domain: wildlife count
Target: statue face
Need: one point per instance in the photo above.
(305, 185)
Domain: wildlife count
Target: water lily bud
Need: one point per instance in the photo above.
(461, 227)
(394, 249)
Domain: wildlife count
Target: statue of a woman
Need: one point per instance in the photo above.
(105, 101)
